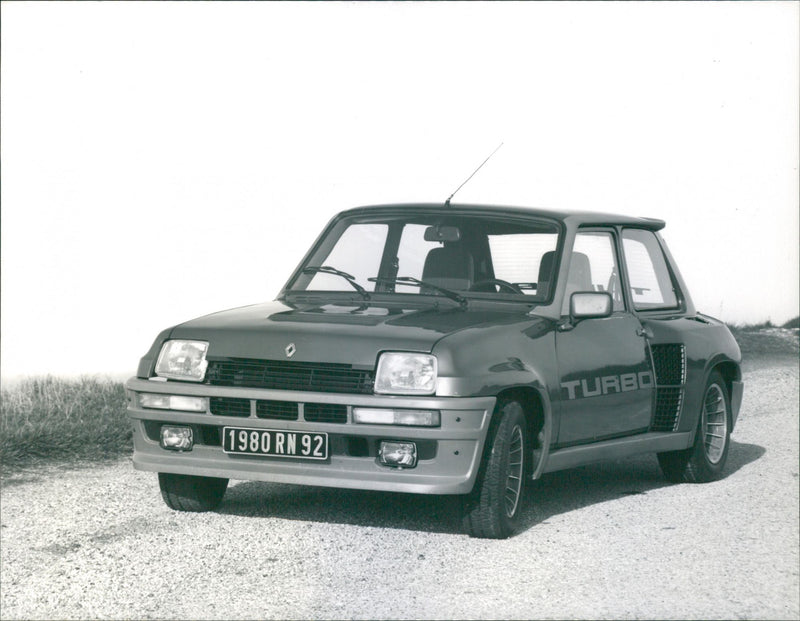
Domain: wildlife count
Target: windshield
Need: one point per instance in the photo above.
(470, 255)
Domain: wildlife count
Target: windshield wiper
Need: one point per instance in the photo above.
(416, 282)
(327, 269)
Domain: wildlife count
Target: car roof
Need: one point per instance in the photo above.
(573, 218)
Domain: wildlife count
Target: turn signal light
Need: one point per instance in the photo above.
(382, 416)
(173, 402)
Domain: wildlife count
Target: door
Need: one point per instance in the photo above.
(604, 368)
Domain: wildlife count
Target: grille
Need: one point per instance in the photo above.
(325, 413)
(226, 406)
(281, 410)
(669, 362)
(284, 375)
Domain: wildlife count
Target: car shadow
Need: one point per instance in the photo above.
(742, 454)
(568, 490)
(555, 493)
(344, 506)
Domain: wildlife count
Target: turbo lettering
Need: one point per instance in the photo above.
(607, 384)
(595, 390)
(610, 382)
(628, 382)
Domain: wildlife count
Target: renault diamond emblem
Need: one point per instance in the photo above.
(290, 349)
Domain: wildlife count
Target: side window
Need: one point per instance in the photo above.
(650, 282)
(593, 267)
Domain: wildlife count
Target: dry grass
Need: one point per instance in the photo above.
(765, 339)
(792, 324)
(48, 418)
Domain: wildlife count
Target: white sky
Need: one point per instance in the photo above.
(165, 160)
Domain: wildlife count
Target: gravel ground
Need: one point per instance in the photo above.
(606, 541)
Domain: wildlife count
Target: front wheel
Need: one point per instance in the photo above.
(183, 492)
(493, 507)
(704, 461)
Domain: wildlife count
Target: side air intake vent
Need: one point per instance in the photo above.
(669, 362)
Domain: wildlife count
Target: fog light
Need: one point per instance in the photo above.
(173, 402)
(176, 438)
(398, 454)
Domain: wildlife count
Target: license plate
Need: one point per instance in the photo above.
(275, 443)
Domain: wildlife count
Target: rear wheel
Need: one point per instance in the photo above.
(182, 492)
(705, 460)
(493, 507)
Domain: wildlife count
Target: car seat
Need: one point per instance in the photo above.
(450, 266)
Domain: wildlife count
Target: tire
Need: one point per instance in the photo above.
(704, 461)
(182, 492)
(492, 509)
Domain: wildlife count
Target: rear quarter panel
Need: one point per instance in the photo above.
(708, 344)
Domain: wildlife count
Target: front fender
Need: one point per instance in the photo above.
(513, 359)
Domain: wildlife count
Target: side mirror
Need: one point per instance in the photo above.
(590, 305)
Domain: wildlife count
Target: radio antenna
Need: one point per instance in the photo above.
(447, 202)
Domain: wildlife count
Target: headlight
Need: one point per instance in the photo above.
(406, 374)
(183, 360)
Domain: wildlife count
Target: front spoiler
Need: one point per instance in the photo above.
(453, 470)
(342, 472)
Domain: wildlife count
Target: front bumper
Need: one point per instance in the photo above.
(448, 462)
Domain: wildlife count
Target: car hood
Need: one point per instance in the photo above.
(328, 333)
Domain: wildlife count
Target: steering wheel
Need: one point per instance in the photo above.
(503, 284)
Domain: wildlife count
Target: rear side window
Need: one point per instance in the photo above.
(651, 285)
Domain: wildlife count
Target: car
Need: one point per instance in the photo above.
(445, 349)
